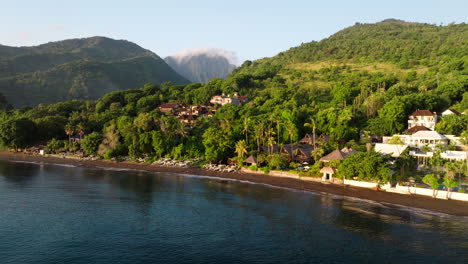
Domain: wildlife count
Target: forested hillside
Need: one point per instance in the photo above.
(364, 80)
(78, 69)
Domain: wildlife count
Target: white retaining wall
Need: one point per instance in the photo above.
(362, 184)
(441, 194)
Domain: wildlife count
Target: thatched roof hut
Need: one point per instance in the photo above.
(251, 160)
(338, 154)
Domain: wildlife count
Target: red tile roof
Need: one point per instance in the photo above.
(415, 129)
(170, 105)
(422, 113)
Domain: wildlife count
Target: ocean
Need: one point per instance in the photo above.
(64, 214)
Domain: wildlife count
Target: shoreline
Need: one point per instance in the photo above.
(450, 207)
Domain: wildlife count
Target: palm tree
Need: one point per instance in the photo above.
(259, 131)
(180, 130)
(449, 183)
(406, 164)
(226, 124)
(241, 149)
(80, 127)
(278, 129)
(451, 169)
(165, 126)
(290, 130)
(312, 126)
(270, 139)
(460, 169)
(246, 129)
(436, 161)
(69, 130)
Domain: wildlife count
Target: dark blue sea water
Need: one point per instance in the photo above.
(60, 214)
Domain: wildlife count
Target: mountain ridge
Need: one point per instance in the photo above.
(23, 70)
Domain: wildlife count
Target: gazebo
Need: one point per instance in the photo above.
(328, 173)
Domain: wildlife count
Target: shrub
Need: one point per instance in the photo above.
(253, 167)
(266, 170)
(72, 146)
(277, 160)
(54, 146)
(120, 150)
(91, 142)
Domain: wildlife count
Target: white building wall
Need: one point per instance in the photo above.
(362, 184)
(440, 194)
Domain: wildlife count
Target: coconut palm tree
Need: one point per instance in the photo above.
(80, 127)
(226, 124)
(290, 130)
(246, 129)
(449, 183)
(405, 164)
(69, 130)
(180, 130)
(259, 131)
(313, 127)
(461, 165)
(241, 149)
(278, 129)
(270, 139)
(451, 169)
(436, 161)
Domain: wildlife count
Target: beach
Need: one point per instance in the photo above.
(451, 207)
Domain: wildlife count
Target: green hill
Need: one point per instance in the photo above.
(406, 44)
(78, 69)
(364, 80)
(378, 73)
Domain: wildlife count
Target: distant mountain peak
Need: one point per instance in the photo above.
(186, 54)
(203, 64)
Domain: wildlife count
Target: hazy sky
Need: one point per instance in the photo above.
(251, 28)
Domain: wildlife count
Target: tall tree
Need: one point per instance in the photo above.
(241, 150)
(17, 133)
(69, 130)
(312, 125)
(433, 181)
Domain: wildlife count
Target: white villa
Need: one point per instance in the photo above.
(426, 139)
(449, 154)
(223, 99)
(421, 126)
(450, 112)
(424, 118)
(421, 139)
(392, 149)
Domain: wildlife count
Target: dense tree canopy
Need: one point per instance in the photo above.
(364, 80)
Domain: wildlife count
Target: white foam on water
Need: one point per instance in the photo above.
(42, 163)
